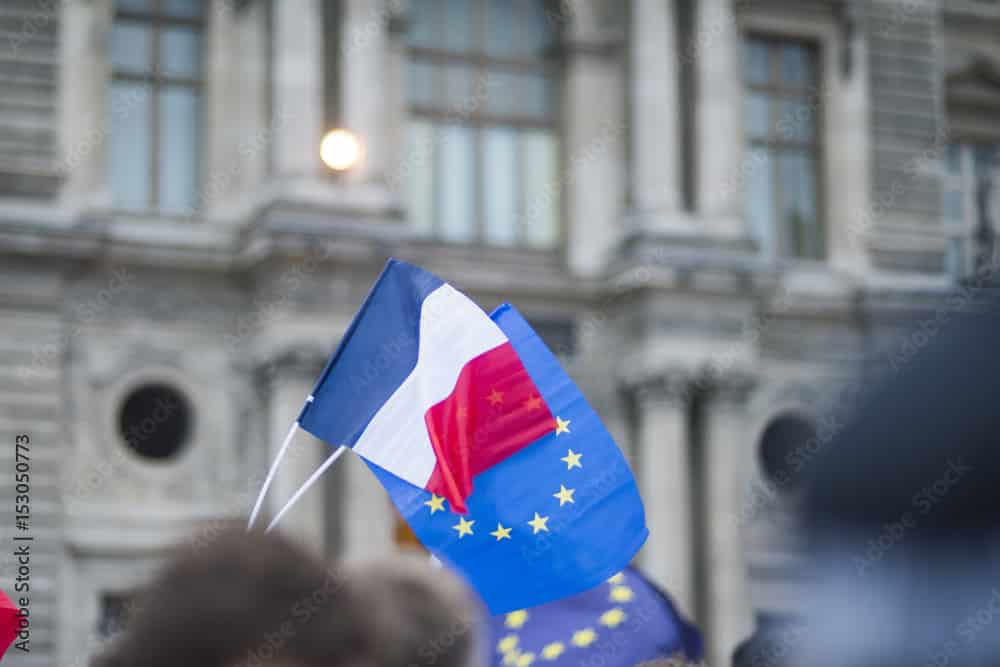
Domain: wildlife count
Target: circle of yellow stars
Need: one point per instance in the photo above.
(539, 522)
(515, 655)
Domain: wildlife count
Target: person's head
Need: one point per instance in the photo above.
(237, 599)
(256, 600)
(415, 614)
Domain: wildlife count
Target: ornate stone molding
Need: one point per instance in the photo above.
(303, 359)
(730, 385)
(734, 384)
(675, 384)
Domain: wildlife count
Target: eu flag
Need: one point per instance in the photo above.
(621, 623)
(558, 517)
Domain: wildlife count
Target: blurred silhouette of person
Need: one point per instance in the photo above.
(258, 600)
(773, 643)
(903, 511)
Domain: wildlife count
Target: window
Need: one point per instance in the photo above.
(559, 335)
(782, 446)
(115, 610)
(782, 134)
(155, 104)
(968, 165)
(155, 422)
(483, 151)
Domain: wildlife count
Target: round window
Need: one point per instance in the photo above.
(155, 421)
(785, 449)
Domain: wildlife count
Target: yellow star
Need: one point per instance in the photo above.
(553, 650)
(464, 527)
(572, 460)
(565, 495)
(436, 503)
(612, 617)
(496, 397)
(584, 638)
(617, 579)
(525, 659)
(538, 523)
(510, 659)
(516, 619)
(463, 412)
(507, 644)
(562, 425)
(501, 533)
(621, 594)
(534, 403)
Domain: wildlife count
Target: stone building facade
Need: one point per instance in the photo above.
(714, 210)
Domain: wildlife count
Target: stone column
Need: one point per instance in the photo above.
(367, 520)
(364, 89)
(222, 102)
(718, 115)
(84, 79)
(297, 103)
(665, 483)
(396, 57)
(295, 373)
(654, 119)
(594, 131)
(253, 127)
(728, 615)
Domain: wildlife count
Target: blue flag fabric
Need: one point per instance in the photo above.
(620, 623)
(555, 519)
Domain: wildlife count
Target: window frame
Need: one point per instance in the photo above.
(811, 94)
(157, 19)
(484, 64)
(961, 231)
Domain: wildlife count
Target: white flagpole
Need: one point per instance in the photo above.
(270, 474)
(305, 486)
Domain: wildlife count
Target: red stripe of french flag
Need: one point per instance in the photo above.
(494, 411)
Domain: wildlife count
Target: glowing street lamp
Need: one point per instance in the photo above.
(340, 150)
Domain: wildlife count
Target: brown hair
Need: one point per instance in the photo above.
(254, 600)
(415, 614)
(237, 598)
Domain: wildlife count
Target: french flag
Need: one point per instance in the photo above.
(426, 386)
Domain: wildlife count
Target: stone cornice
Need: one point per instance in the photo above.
(681, 383)
(303, 359)
(605, 46)
(730, 385)
(676, 384)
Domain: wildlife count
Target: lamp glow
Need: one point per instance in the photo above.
(340, 150)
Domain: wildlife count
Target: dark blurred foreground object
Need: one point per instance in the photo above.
(624, 621)
(902, 512)
(258, 600)
(774, 643)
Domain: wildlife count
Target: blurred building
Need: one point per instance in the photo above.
(712, 210)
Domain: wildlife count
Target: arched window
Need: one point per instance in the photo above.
(482, 133)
